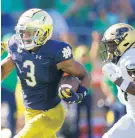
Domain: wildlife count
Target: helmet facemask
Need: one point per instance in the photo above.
(34, 29)
(111, 50)
(30, 38)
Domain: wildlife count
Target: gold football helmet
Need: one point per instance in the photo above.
(117, 40)
(34, 28)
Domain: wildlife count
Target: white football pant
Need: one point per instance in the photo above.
(124, 128)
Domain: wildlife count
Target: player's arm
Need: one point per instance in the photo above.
(7, 66)
(113, 72)
(125, 85)
(76, 69)
(65, 62)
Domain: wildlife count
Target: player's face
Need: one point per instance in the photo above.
(27, 35)
(108, 50)
(111, 47)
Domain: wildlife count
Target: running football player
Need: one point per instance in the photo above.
(119, 41)
(40, 63)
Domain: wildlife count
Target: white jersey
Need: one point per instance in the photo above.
(125, 127)
(126, 98)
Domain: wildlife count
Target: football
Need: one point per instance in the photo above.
(73, 81)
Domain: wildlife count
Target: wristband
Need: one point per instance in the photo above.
(124, 85)
(82, 90)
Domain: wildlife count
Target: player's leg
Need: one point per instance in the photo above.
(124, 128)
(53, 136)
(57, 118)
(43, 125)
(32, 129)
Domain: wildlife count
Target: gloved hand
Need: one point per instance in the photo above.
(68, 95)
(3, 47)
(111, 71)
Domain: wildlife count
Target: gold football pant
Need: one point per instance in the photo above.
(42, 124)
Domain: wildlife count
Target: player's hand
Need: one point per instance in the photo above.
(74, 98)
(3, 47)
(69, 96)
(111, 71)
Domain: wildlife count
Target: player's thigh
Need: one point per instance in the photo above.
(56, 118)
(124, 128)
(54, 136)
(33, 128)
(44, 125)
(30, 114)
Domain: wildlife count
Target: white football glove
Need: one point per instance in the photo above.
(111, 71)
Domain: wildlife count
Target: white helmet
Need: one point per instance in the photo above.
(117, 40)
(34, 28)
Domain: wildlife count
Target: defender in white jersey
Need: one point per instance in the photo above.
(119, 42)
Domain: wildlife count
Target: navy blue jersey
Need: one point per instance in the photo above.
(38, 73)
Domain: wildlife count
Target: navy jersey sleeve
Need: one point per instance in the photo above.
(64, 53)
(11, 43)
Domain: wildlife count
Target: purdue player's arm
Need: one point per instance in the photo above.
(126, 85)
(7, 66)
(129, 87)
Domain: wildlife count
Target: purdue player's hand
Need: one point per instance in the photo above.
(3, 47)
(69, 96)
(111, 71)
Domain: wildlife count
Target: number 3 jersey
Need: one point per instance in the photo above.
(38, 72)
(124, 97)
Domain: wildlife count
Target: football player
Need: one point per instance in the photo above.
(119, 41)
(40, 63)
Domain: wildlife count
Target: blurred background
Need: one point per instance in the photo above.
(81, 23)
